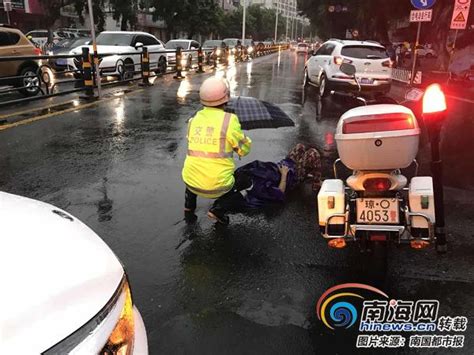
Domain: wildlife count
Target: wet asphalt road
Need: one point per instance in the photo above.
(250, 287)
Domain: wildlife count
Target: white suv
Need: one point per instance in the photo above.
(373, 65)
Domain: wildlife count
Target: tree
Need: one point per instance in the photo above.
(260, 23)
(203, 17)
(53, 9)
(371, 17)
(170, 11)
(125, 11)
(439, 31)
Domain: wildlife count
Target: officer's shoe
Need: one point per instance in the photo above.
(218, 217)
(190, 217)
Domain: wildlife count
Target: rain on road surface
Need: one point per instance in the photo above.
(249, 287)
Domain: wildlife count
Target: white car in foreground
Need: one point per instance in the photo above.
(64, 291)
(373, 67)
(120, 53)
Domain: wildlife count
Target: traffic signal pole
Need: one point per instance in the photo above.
(415, 54)
(244, 20)
(94, 47)
(276, 22)
(434, 115)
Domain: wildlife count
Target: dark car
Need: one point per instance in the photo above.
(65, 47)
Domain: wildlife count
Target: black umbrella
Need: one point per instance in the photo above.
(255, 114)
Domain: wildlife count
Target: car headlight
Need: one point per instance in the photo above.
(122, 338)
(112, 329)
(250, 49)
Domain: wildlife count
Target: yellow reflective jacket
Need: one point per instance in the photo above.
(213, 137)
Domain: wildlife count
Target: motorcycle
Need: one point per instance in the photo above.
(377, 204)
(353, 98)
(361, 97)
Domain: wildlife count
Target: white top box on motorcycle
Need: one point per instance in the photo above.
(377, 137)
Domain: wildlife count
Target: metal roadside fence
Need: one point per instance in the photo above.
(55, 75)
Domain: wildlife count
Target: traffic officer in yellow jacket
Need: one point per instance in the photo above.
(213, 137)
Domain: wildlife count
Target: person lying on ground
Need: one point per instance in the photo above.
(272, 181)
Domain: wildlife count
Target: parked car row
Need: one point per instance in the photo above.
(43, 37)
(119, 54)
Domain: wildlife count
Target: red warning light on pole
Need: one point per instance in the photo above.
(434, 100)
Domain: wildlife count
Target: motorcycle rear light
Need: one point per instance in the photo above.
(378, 237)
(379, 123)
(419, 244)
(387, 63)
(38, 51)
(338, 60)
(337, 243)
(434, 100)
(377, 184)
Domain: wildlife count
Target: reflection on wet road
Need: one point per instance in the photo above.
(250, 287)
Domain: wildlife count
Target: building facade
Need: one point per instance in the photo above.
(287, 8)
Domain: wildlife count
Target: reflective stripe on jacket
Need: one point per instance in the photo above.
(213, 136)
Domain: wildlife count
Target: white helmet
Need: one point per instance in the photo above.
(214, 92)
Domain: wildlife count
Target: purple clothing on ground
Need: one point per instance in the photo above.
(266, 179)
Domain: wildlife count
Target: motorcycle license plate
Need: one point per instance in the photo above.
(377, 211)
(61, 61)
(366, 81)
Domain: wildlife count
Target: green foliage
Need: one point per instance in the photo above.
(371, 17)
(124, 11)
(171, 11)
(201, 17)
(260, 23)
(53, 9)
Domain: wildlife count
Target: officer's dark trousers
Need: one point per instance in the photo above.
(231, 201)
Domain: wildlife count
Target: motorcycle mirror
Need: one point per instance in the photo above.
(348, 69)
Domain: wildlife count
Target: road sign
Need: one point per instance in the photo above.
(423, 4)
(7, 5)
(12, 4)
(460, 14)
(421, 15)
